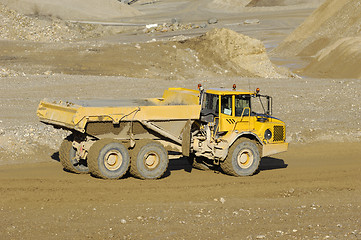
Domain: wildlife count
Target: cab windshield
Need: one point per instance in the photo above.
(262, 105)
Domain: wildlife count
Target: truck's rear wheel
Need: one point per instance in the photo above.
(67, 156)
(108, 159)
(149, 160)
(243, 159)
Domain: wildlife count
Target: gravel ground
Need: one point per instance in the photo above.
(304, 193)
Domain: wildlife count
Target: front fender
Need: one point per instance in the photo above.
(250, 135)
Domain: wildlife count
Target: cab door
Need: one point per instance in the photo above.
(226, 116)
(242, 113)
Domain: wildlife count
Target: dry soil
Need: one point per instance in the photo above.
(312, 191)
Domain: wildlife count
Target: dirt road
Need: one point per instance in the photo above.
(308, 192)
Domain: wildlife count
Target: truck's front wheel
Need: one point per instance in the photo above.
(108, 159)
(149, 160)
(243, 159)
(67, 156)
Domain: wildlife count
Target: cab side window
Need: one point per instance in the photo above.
(241, 102)
(226, 105)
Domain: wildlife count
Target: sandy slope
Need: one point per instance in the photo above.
(268, 3)
(262, 5)
(328, 31)
(331, 21)
(339, 60)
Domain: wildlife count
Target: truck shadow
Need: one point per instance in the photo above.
(270, 163)
(55, 156)
(181, 163)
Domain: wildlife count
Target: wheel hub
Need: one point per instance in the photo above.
(245, 159)
(113, 160)
(151, 160)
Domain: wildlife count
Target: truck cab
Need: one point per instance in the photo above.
(233, 110)
(237, 130)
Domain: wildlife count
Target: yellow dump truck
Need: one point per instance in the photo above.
(213, 128)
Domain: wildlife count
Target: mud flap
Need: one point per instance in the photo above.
(186, 139)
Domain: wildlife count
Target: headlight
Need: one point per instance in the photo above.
(268, 134)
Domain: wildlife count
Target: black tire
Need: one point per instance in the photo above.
(196, 162)
(243, 159)
(108, 159)
(67, 157)
(149, 160)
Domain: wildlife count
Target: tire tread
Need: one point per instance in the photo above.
(93, 156)
(64, 152)
(227, 165)
(134, 153)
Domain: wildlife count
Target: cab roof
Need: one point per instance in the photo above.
(228, 91)
(217, 91)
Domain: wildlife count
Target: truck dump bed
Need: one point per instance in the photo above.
(76, 114)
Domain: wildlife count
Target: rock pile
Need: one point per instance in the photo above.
(18, 141)
(234, 52)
